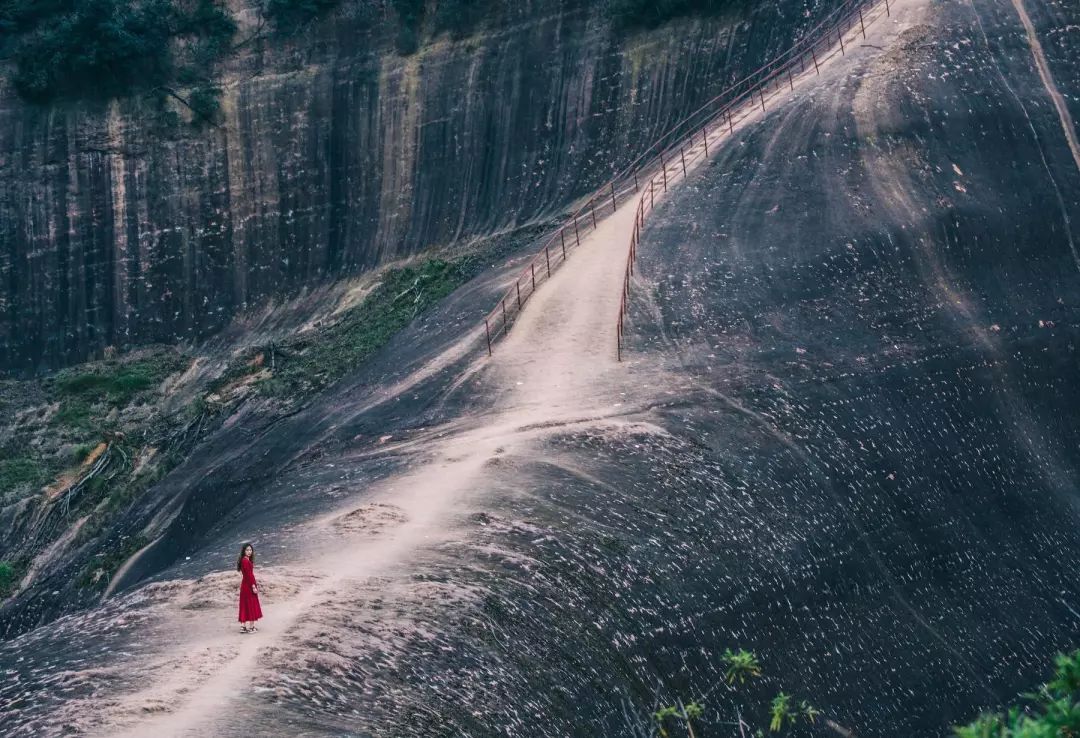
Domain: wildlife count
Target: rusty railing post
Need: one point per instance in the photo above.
(518, 285)
(814, 54)
(562, 240)
(594, 217)
(487, 332)
(887, 13)
(730, 123)
(762, 93)
(840, 36)
(547, 258)
(614, 204)
(532, 267)
(505, 324)
(577, 236)
(652, 194)
(862, 23)
(705, 140)
(790, 80)
(635, 182)
(663, 168)
(682, 156)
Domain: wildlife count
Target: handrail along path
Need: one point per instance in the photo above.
(669, 156)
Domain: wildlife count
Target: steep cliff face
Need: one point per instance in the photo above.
(335, 154)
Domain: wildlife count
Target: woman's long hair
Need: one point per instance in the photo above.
(241, 557)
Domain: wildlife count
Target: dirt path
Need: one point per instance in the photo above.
(557, 368)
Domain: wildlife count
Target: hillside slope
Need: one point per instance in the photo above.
(877, 293)
(841, 438)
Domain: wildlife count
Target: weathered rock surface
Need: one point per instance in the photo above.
(335, 154)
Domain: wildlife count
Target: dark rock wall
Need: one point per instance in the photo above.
(335, 155)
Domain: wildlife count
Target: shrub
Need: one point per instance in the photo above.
(100, 48)
(20, 472)
(9, 578)
(205, 103)
(403, 294)
(115, 383)
(107, 48)
(1054, 712)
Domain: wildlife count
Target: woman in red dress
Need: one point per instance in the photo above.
(249, 590)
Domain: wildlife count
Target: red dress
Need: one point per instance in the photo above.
(249, 600)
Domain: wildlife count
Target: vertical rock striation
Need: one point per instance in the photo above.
(335, 155)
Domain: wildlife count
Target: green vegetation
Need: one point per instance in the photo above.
(99, 572)
(784, 712)
(15, 472)
(65, 416)
(115, 383)
(741, 666)
(9, 578)
(75, 414)
(87, 393)
(310, 362)
(687, 714)
(169, 49)
(1052, 712)
(108, 48)
(786, 716)
(87, 396)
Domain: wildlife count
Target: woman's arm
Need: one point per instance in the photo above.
(251, 573)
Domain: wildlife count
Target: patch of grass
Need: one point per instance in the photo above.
(81, 451)
(99, 572)
(113, 383)
(21, 471)
(76, 414)
(9, 578)
(312, 362)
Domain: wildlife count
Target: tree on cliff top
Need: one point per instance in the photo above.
(109, 48)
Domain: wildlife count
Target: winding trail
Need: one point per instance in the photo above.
(556, 369)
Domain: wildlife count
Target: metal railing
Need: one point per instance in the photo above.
(740, 102)
(668, 157)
